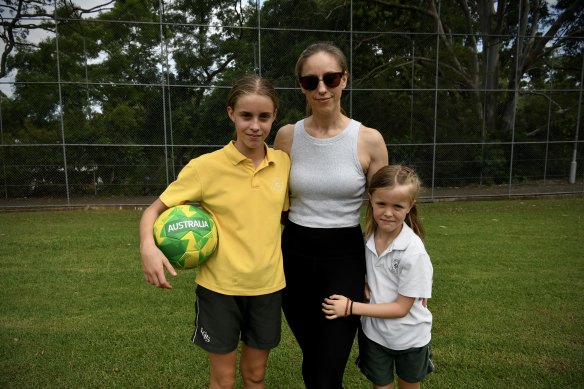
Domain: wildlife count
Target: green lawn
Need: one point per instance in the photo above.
(75, 311)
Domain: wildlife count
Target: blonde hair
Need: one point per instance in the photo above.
(325, 47)
(392, 176)
(252, 84)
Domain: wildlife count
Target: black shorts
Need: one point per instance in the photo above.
(222, 320)
(377, 362)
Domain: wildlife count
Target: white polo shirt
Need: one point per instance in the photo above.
(404, 268)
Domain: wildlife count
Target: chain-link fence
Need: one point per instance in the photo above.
(105, 109)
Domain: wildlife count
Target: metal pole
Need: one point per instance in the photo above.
(484, 127)
(412, 88)
(258, 7)
(436, 102)
(515, 96)
(168, 97)
(3, 157)
(351, 62)
(61, 108)
(163, 95)
(550, 99)
(574, 163)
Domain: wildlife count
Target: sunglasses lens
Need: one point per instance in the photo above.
(332, 80)
(309, 82)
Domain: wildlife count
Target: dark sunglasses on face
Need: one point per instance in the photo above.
(331, 80)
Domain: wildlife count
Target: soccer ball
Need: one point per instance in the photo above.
(186, 234)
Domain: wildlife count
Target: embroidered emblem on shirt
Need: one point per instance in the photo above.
(277, 184)
(394, 265)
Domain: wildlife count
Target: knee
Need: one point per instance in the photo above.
(253, 376)
(223, 381)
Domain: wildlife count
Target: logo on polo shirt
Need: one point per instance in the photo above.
(277, 185)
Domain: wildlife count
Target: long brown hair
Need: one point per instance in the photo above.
(389, 177)
(328, 48)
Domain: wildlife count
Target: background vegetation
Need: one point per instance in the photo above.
(113, 98)
(75, 310)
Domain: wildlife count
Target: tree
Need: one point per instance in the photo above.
(206, 43)
(20, 17)
(502, 42)
(132, 73)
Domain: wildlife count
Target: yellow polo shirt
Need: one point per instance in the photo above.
(246, 203)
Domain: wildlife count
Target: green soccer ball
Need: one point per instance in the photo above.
(186, 234)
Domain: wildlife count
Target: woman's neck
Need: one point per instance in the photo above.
(326, 125)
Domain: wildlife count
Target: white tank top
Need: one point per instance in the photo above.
(327, 181)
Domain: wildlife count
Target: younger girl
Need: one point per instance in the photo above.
(396, 324)
(244, 186)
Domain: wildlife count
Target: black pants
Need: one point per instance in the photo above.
(318, 263)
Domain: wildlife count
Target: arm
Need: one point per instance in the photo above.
(283, 140)
(335, 306)
(372, 151)
(153, 260)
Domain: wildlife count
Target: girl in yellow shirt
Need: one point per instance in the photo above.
(244, 186)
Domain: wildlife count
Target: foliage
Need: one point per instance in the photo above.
(130, 73)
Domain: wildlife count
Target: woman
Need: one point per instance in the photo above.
(333, 157)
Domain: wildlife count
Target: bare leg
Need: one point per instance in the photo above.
(222, 368)
(406, 385)
(252, 367)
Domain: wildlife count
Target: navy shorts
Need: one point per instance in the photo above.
(377, 362)
(221, 321)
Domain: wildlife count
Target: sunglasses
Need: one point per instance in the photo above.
(331, 80)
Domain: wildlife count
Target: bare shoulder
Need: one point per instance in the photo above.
(284, 137)
(371, 137)
(372, 150)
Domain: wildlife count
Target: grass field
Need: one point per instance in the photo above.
(75, 311)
